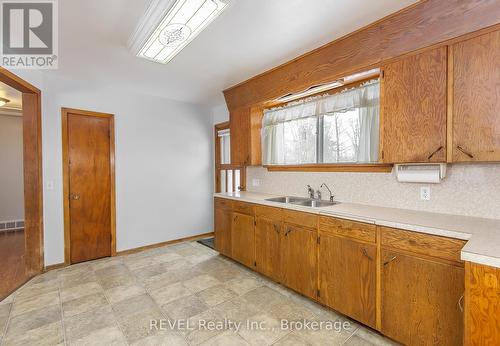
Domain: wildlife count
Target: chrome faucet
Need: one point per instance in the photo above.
(318, 193)
(330, 191)
(310, 191)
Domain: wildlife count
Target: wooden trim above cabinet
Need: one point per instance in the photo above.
(379, 41)
(368, 167)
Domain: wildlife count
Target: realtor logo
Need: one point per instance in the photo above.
(29, 34)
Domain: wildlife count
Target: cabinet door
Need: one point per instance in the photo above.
(240, 136)
(223, 231)
(420, 300)
(243, 239)
(414, 108)
(476, 99)
(267, 247)
(347, 272)
(298, 259)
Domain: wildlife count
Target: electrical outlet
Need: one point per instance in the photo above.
(255, 182)
(425, 193)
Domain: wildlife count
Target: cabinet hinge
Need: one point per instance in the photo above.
(319, 241)
(318, 293)
(255, 263)
(255, 222)
(382, 74)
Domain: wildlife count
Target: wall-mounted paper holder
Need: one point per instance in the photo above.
(421, 173)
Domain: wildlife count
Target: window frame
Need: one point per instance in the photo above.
(221, 167)
(375, 167)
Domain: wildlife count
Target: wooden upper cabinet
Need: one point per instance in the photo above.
(420, 300)
(413, 105)
(298, 259)
(245, 125)
(476, 99)
(239, 123)
(243, 239)
(347, 276)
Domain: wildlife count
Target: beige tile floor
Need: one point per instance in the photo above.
(113, 301)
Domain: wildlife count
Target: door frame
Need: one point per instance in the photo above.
(65, 160)
(32, 160)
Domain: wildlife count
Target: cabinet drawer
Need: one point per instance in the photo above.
(301, 219)
(269, 212)
(356, 230)
(244, 208)
(223, 203)
(424, 244)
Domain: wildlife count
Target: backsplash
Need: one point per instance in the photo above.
(472, 190)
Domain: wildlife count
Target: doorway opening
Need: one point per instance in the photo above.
(21, 226)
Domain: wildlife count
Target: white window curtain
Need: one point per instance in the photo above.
(348, 120)
(225, 146)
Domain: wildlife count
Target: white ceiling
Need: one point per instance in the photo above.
(250, 37)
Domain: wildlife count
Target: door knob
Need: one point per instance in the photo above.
(75, 196)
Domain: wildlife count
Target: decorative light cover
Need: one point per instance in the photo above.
(182, 23)
(3, 101)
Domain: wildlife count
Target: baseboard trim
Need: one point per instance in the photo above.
(55, 266)
(169, 242)
(138, 249)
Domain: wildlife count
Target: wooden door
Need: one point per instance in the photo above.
(420, 300)
(240, 136)
(298, 259)
(347, 272)
(243, 239)
(89, 179)
(476, 99)
(223, 231)
(267, 247)
(414, 108)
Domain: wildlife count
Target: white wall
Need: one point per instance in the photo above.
(11, 168)
(164, 163)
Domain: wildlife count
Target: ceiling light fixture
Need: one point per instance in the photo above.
(165, 30)
(3, 101)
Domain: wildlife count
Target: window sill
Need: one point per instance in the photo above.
(372, 167)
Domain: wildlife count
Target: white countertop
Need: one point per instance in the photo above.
(482, 235)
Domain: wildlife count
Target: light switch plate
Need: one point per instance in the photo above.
(50, 185)
(255, 182)
(425, 193)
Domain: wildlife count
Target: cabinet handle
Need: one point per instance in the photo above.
(465, 151)
(435, 152)
(363, 250)
(234, 218)
(461, 303)
(276, 228)
(390, 260)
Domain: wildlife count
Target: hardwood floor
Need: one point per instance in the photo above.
(12, 264)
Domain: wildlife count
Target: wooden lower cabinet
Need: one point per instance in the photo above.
(243, 239)
(420, 300)
(267, 247)
(408, 285)
(223, 220)
(347, 277)
(482, 305)
(298, 259)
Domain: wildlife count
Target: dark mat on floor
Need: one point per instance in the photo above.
(209, 242)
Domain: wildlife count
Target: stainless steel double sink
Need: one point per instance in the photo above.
(305, 202)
